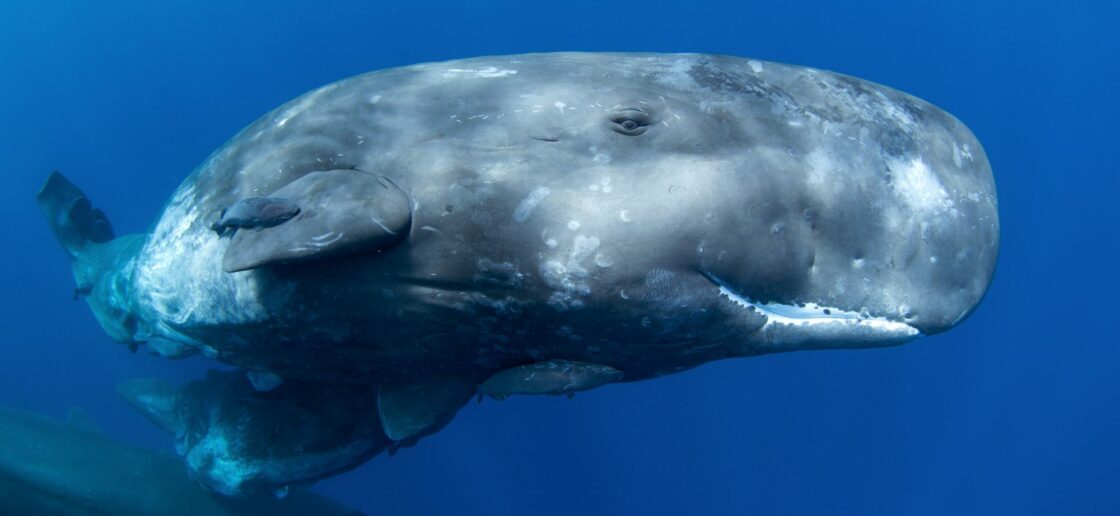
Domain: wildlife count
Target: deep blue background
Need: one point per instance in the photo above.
(1015, 412)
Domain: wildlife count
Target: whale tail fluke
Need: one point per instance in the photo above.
(76, 223)
(100, 260)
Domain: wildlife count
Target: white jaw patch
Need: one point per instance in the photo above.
(816, 326)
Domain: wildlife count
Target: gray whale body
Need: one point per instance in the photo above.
(540, 223)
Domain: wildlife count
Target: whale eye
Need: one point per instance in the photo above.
(630, 121)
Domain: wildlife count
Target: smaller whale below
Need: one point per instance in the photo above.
(48, 467)
(238, 439)
(541, 224)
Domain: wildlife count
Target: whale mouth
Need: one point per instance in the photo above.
(815, 326)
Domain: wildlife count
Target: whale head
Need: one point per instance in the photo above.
(778, 206)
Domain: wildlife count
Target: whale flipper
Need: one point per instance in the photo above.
(341, 213)
(73, 218)
(155, 400)
(415, 409)
(549, 377)
(169, 348)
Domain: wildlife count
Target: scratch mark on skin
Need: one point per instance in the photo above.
(327, 242)
(484, 72)
(379, 223)
(529, 203)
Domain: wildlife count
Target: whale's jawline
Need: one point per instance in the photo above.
(815, 326)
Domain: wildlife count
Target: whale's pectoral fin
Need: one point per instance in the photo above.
(341, 213)
(549, 377)
(155, 400)
(411, 410)
(168, 348)
(73, 218)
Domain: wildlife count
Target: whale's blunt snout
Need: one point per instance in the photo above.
(860, 256)
(957, 240)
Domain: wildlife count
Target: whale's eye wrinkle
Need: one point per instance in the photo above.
(630, 121)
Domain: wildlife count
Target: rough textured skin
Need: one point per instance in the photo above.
(644, 212)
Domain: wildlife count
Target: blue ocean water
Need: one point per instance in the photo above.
(1017, 411)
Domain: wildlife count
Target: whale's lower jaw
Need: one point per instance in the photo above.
(792, 327)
